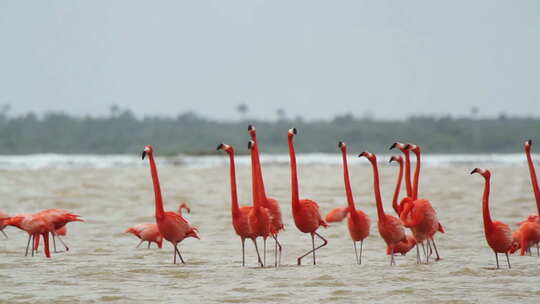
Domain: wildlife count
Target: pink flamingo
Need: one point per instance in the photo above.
(358, 222)
(148, 232)
(35, 225)
(172, 226)
(270, 204)
(498, 234)
(59, 218)
(336, 215)
(390, 227)
(534, 182)
(239, 214)
(307, 217)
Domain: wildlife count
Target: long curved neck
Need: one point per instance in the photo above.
(234, 194)
(294, 176)
(488, 223)
(408, 185)
(534, 179)
(348, 190)
(377, 190)
(160, 212)
(254, 181)
(258, 168)
(396, 191)
(416, 175)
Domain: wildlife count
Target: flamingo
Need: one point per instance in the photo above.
(390, 227)
(404, 246)
(307, 217)
(533, 218)
(239, 214)
(172, 226)
(336, 215)
(3, 218)
(270, 204)
(498, 234)
(148, 232)
(259, 218)
(419, 214)
(357, 221)
(35, 225)
(59, 218)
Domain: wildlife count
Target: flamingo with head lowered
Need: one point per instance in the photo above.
(239, 214)
(390, 227)
(358, 222)
(498, 234)
(307, 217)
(172, 226)
(272, 205)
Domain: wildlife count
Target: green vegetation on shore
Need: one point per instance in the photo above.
(122, 132)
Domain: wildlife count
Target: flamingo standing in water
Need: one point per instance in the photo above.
(404, 246)
(59, 218)
(498, 234)
(357, 221)
(270, 204)
(390, 227)
(307, 217)
(336, 215)
(3, 218)
(259, 218)
(35, 225)
(172, 226)
(147, 232)
(239, 214)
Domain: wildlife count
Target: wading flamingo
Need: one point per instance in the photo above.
(390, 227)
(59, 218)
(531, 234)
(172, 226)
(498, 234)
(3, 218)
(147, 232)
(357, 221)
(305, 212)
(336, 215)
(270, 204)
(404, 246)
(259, 218)
(239, 214)
(35, 225)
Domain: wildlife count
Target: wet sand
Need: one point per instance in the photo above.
(104, 266)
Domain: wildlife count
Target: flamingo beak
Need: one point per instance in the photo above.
(340, 144)
(143, 154)
(219, 147)
(475, 170)
(393, 146)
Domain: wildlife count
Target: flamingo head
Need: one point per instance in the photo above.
(370, 156)
(225, 147)
(147, 150)
(528, 145)
(252, 132)
(251, 145)
(397, 158)
(342, 145)
(483, 172)
(184, 206)
(14, 221)
(403, 147)
(292, 132)
(131, 230)
(533, 218)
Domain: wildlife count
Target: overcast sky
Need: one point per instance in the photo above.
(312, 58)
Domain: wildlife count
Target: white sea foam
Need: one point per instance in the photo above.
(39, 161)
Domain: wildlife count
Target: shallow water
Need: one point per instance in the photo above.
(104, 266)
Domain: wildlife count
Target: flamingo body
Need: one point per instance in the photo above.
(147, 232)
(336, 215)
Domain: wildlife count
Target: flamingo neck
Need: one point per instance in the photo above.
(534, 179)
(396, 191)
(348, 190)
(258, 168)
(416, 175)
(160, 212)
(408, 173)
(488, 223)
(255, 181)
(295, 197)
(235, 209)
(377, 190)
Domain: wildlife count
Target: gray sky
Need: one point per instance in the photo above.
(313, 58)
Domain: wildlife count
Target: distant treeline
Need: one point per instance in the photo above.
(122, 132)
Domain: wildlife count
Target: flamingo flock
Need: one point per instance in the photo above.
(414, 225)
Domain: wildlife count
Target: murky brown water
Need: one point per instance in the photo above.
(104, 266)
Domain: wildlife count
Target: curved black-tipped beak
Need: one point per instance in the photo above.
(393, 146)
(475, 170)
(391, 160)
(220, 146)
(362, 154)
(294, 131)
(529, 142)
(250, 127)
(340, 144)
(250, 144)
(143, 154)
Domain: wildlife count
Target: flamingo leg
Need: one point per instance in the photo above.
(54, 242)
(148, 244)
(243, 252)
(436, 251)
(497, 259)
(355, 252)
(46, 244)
(33, 247)
(28, 245)
(508, 260)
(537, 248)
(179, 255)
(142, 241)
(5, 235)
(418, 260)
(264, 251)
(313, 246)
(392, 261)
(257, 249)
(325, 242)
(277, 247)
(61, 241)
(361, 247)
(424, 249)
